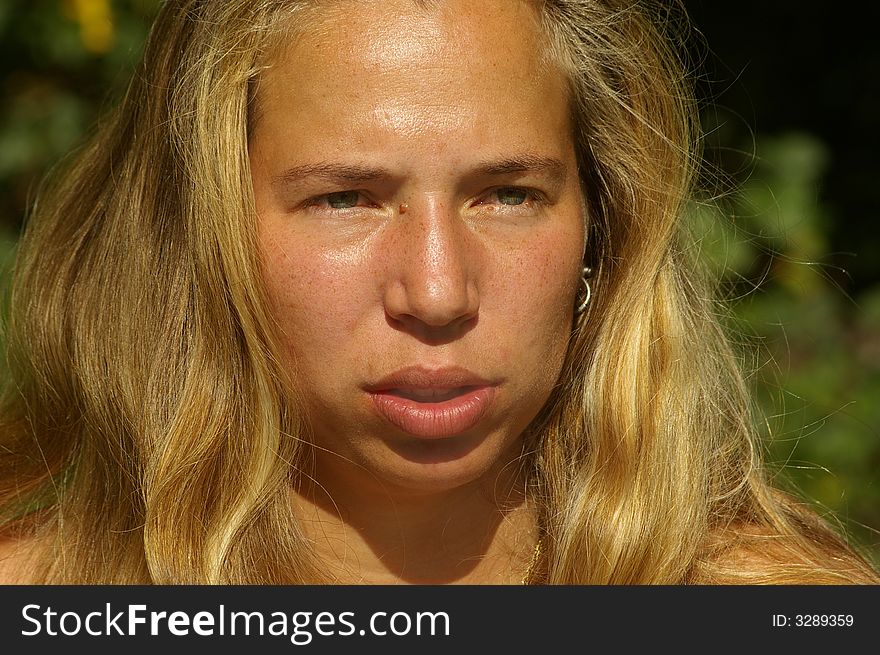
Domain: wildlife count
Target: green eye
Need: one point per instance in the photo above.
(512, 196)
(343, 199)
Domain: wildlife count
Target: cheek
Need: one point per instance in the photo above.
(538, 287)
(312, 293)
(546, 274)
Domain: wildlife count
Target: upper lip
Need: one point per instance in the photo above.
(422, 378)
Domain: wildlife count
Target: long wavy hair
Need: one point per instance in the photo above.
(148, 433)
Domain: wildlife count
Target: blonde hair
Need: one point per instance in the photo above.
(148, 432)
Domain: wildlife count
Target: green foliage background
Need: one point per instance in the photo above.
(812, 349)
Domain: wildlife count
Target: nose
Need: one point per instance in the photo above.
(431, 290)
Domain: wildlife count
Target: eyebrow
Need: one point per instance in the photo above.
(333, 172)
(554, 168)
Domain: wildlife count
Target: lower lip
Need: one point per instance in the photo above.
(435, 420)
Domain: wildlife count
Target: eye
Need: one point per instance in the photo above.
(339, 202)
(512, 195)
(343, 199)
(512, 198)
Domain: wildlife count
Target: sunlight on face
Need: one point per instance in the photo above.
(422, 229)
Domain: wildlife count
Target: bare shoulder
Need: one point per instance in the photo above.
(752, 554)
(17, 558)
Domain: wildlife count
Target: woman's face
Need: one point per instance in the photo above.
(422, 229)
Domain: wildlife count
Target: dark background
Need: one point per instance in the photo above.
(790, 96)
(786, 66)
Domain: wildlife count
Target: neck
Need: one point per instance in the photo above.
(481, 533)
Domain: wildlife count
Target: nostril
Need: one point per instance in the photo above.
(428, 334)
(433, 301)
(431, 264)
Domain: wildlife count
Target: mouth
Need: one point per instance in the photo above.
(431, 395)
(433, 404)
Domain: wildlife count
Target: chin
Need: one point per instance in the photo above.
(438, 465)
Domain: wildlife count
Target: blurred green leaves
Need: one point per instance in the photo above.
(63, 62)
(815, 350)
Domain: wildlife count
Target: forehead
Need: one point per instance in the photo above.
(383, 34)
(408, 65)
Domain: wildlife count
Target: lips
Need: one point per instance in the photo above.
(432, 404)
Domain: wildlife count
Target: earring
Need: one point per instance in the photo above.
(588, 272)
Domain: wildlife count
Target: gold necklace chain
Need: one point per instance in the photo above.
(536, 555)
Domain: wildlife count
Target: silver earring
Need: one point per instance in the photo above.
(586, 301)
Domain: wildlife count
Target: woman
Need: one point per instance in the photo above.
(381, 292)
